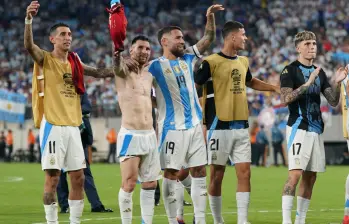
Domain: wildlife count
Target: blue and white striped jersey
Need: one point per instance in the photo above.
(177, 101)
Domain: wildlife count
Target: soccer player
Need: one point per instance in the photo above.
(57, 111)
(179, 114)
(224, 77)
(137, 143)
(345, 105)
(301, 85)
(89, 184)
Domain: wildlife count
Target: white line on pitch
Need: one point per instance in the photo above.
(251, 211)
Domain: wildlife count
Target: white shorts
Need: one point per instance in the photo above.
(182, 148)
(61, 147)
(231, 144)
(306, 150)
(141, 143)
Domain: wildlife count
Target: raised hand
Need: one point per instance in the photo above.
(341, 74)
(130, 63)
(214, 9)
(313, 76)
(32, 9)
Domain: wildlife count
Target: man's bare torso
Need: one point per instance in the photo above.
(134, 93)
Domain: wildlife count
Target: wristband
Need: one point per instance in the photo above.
(28, 21)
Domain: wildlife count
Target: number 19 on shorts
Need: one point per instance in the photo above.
(170, 146)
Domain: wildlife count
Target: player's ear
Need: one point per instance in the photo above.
(52, 39)
(163, 41)
(131, 49)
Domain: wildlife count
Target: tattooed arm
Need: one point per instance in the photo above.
(288, 95)
(332, 94)
(122, 66)
(210, 30)
(98, 72)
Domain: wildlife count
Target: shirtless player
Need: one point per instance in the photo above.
(137, 143)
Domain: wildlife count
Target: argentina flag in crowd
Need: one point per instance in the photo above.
(12, 107)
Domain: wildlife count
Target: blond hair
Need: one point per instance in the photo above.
(304, 35)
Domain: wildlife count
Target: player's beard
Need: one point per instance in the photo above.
(142, 59)
(178, 52)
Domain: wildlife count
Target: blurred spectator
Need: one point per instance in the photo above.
(270, 28)
(262, 147)
(112, 138)
(31, 144)
(2, 146)
(9, 144)
(277, 139)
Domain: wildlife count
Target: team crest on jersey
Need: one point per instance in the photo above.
(168, 71)
(183, 65)
(176, 69)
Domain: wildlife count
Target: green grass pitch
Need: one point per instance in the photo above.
(21, 187)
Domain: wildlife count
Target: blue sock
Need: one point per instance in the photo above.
(112, 2)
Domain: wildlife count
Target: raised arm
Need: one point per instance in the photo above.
(333, 93)
(35, 52)
(210, 30)
(121, 68)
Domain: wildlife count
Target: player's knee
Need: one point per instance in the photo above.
(244, 174)
(217, 174)
(52, 179)
(182, 174)
(170, 174)
(294, 176)
(149, 185)
(198, 171)
(129, 185)
(309, 178)
(77, 180)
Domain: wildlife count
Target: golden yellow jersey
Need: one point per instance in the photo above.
(61, 102)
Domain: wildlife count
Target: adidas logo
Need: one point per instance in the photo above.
(174, 200)
(204, 194)
(128, 210)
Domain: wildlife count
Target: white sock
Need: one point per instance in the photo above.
(76, 207)
(242, 202)
(147, 205)
(287, 204)
(199, 197)
(125, 204)
(346, 209)
(187, 184)
(216, 208)
(169, 197)
(302, 209)
(51, 212)
(180, 198)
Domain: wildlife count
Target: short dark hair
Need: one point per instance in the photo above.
(165, 30)
(231, 26)
(139, 37)
(55, 26)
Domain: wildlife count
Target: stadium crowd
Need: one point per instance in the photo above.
(270, 29)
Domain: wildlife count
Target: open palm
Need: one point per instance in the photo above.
(341, 74)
